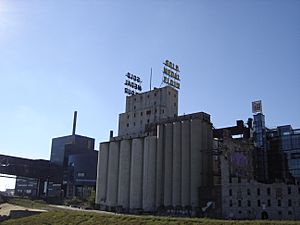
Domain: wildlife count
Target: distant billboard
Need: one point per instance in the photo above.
(171, 74)
(257, 107)
(133, 84)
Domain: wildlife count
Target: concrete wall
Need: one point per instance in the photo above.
(124, 173)
(146, 108)
(136, 181)
(153, 171)
(102, 173)
(113, 174)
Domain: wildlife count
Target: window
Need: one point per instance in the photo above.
(248, 192)
(163, 111)
(148, 96)
(279, 212)
(289, 190)
(169, 93)
(141, 113)
(230, 179)
(249, 203)
(135, 99)
(174, 95)
(80, 174)
(290, 212)
(133, 123)
(239, 179)
(258, 203)
(155, 110)
(127, 116)
(258, 191)
(299, 190)
(155, 94)
(175, 104)
(269, 202)
(290, 202)
(154, 103)
(127, 124)
(134, 107)
(268, 191)
(148, 120)
(239, 203)
(279, 202)
(133, 114)
(240, 212)
(230, 192)
(230, 203)
(148, 112)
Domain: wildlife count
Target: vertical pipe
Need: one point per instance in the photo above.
(74, 123)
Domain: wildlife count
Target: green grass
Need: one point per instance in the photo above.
(68, 217)
(36, 204)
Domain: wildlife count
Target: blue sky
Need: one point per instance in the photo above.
(57, 56)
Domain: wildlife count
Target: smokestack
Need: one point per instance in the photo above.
(74, 123)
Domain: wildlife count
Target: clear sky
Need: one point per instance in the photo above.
(57, 56)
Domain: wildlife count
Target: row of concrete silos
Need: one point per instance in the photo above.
(149, 172)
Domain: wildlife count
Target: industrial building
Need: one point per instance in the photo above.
(159, 160)
(78, 159)
(237, 193)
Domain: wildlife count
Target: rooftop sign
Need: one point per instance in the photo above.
(133, 84)
(257, 107)
(171, 74)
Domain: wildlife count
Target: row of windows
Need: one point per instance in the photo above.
(155, 94)
(141, 122)
(279, 212)
(259, 203)
(148, 112)
(175, 104)
(258, 192)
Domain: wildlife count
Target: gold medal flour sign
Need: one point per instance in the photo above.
(171, 74)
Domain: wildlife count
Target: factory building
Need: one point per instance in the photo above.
(238, 195)
(159, 159)
(76, 156)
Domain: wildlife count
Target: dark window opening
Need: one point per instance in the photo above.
(148, 112)
(289, 190)
(249, 203)
(230, 192)
(269, 202)
(279, 202)
(269, 191)
(258, 191)
(248, 192)
(239, 203)
(258, 203)
(290, 202)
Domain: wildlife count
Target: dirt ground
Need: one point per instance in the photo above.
(6, 208)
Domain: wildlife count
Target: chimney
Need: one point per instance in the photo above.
(74, 123)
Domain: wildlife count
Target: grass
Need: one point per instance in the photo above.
(68, 217)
